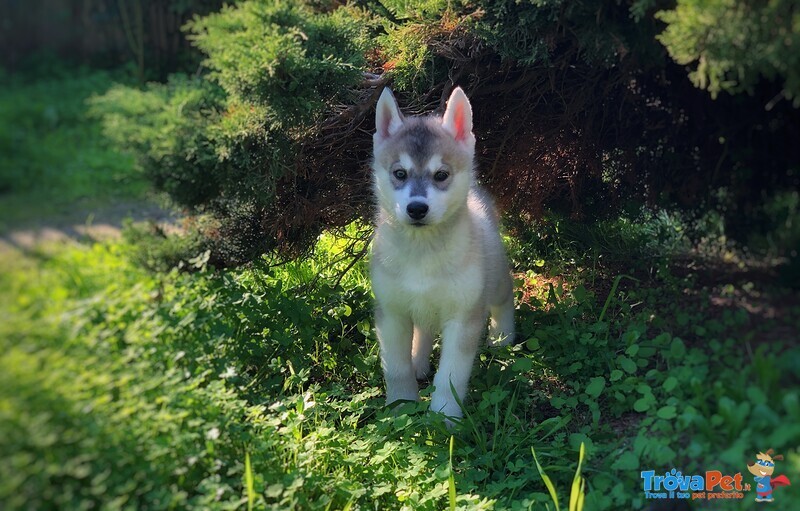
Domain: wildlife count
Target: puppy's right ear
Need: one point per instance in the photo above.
(388, 119)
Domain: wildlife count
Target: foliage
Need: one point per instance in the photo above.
(577, 101)
(171, 134)
(222, 143)
(283, 57)
(150, 247)
(733, 44)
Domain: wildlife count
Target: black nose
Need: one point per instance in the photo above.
(417, 210)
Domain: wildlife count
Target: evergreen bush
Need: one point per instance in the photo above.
(578, 109)
(732, 44)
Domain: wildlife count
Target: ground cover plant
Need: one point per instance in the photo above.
(260, 387)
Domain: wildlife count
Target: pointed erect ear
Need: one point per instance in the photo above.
(458, 116)
(388, 119)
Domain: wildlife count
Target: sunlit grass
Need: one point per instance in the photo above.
(195, 374)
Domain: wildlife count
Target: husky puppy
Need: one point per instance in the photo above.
(438, 264)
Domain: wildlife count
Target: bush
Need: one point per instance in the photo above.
(150, 247)
(221, 143)
(578, 109)
(169, 127)
(284, 57)
(733, 44)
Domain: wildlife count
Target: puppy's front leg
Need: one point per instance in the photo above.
(394, 334)
(460, 339)
(421, 352)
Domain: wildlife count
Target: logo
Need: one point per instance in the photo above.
(713, 485)
(762, 469)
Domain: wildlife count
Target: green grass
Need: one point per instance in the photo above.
(248, 388)
(54, 160)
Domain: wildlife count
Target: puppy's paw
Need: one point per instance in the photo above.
(405, 389)
(447, 406)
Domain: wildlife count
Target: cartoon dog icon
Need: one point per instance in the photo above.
(762, 469)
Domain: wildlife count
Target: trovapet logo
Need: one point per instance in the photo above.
(713, 485)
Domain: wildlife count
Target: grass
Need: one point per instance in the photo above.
(124, 388)
(54, 160)
(217, 390)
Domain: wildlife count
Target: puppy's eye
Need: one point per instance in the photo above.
(400, 174)
(440, 176)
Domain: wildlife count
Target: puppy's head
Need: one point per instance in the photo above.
(423, 166)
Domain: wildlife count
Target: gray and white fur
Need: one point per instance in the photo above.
(438, 265)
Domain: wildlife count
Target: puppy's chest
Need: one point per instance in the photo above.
(434, 291)
(437, 282)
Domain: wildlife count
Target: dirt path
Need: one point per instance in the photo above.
(90, 224)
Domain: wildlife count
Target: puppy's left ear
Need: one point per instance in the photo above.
(458, 117)
(388, 119)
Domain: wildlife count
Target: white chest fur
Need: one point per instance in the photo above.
(432, 278)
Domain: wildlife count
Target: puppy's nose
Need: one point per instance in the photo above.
(417, 210)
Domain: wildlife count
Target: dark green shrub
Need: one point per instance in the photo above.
(578, 110)
(221, 143)
(283, 57)
(169, 127)
(151, 248)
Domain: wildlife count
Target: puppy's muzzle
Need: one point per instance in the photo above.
(417, 210)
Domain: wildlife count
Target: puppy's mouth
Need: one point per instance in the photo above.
(418, 224)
